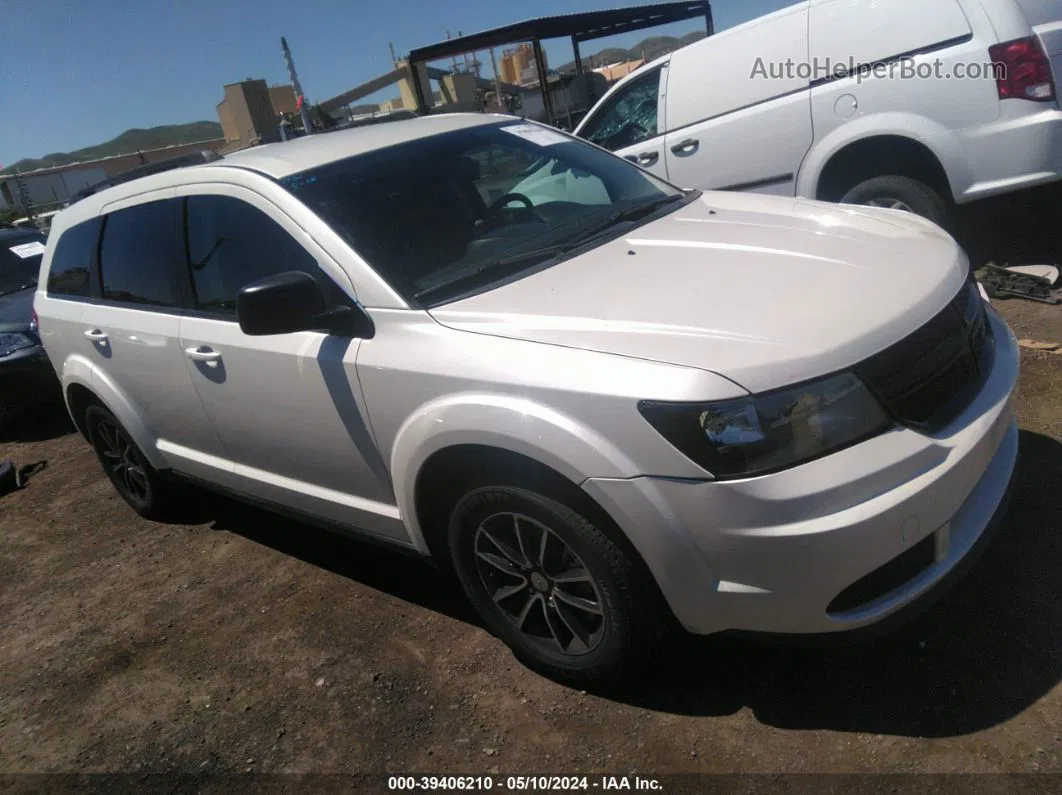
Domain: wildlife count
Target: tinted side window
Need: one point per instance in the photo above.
(72, 271)
(231, 244)
(141, 255)
(630, 115)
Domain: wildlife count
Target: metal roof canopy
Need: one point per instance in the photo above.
(579, 27)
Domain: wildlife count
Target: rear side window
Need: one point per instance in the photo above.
(72, 271)
(141, 255)
(232, 244)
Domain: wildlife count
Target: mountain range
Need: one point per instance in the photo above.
(652, 47)
(129, 141)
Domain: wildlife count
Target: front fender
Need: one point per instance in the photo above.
(505, 422)
(934, 136)
(80, 371)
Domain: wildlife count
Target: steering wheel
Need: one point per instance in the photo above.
(493, 218)
(499, 203)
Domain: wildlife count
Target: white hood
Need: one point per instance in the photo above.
(766, 291)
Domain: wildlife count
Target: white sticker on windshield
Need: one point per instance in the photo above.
(27, 250)
(536, 135)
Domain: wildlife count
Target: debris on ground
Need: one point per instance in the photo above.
(1001, 283)
(1046, 347)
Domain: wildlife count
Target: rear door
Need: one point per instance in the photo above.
(738, 107)
(130, 330)
(630, 122)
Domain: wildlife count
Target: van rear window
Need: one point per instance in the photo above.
(72, 271)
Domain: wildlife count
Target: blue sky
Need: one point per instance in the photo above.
(78, 72)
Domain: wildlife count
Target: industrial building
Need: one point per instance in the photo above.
(48, 188)
(518, 65)
(617, 71)
(251, 112)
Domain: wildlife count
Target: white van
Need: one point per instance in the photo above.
(906, 104)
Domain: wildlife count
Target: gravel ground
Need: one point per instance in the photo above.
(237, 641)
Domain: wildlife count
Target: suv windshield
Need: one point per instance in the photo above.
(442, 215)
(20, 261)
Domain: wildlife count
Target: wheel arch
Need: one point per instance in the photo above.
(451, 472)
(84, 385)
(879, 145)
(509, 425)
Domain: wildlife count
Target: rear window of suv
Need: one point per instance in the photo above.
(72, 272)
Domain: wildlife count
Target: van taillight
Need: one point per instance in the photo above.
(1024, 70)
(35, 324)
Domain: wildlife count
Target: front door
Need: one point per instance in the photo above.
(629, 123)
(289, 406)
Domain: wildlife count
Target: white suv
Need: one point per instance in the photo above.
(896, 103)
(608, 403)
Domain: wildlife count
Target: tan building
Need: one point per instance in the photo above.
(517, 66)
(616, 71)
(250, 112)
(405, 87)
(283, 99)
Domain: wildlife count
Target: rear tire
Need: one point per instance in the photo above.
(568, 601)
(135, 480)
(900, 193)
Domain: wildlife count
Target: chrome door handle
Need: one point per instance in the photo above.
(202, 354)
(686, 147)
(644, 158)
(96, 335)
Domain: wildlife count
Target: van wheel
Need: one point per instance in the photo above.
(135, 480)
(900, 193)
(559, 592)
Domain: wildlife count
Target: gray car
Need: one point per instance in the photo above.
(26, 377)
(612, 406)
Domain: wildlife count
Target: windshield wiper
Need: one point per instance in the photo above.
(513, 263)
(632, 213)
(626, 214)
(535, 255)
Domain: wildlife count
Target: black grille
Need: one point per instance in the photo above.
(928, 378)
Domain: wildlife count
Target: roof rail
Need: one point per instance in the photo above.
(181, 161)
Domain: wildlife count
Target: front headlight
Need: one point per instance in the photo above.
(11, 341)
(765, 433)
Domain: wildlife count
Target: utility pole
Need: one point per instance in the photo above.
(497, 82)
(300, 99)
(453, 58)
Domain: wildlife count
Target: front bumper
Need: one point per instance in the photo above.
(773, 554)
(26, 378)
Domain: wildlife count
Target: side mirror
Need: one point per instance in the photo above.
(293, 301)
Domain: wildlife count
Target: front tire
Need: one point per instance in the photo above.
(567, 600)
(900, 193)
(135, 480)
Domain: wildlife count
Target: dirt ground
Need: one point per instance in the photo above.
(240, 641)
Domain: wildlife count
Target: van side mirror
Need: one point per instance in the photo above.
(293, 301)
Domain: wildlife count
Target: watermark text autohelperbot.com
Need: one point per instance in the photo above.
(823, 69)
